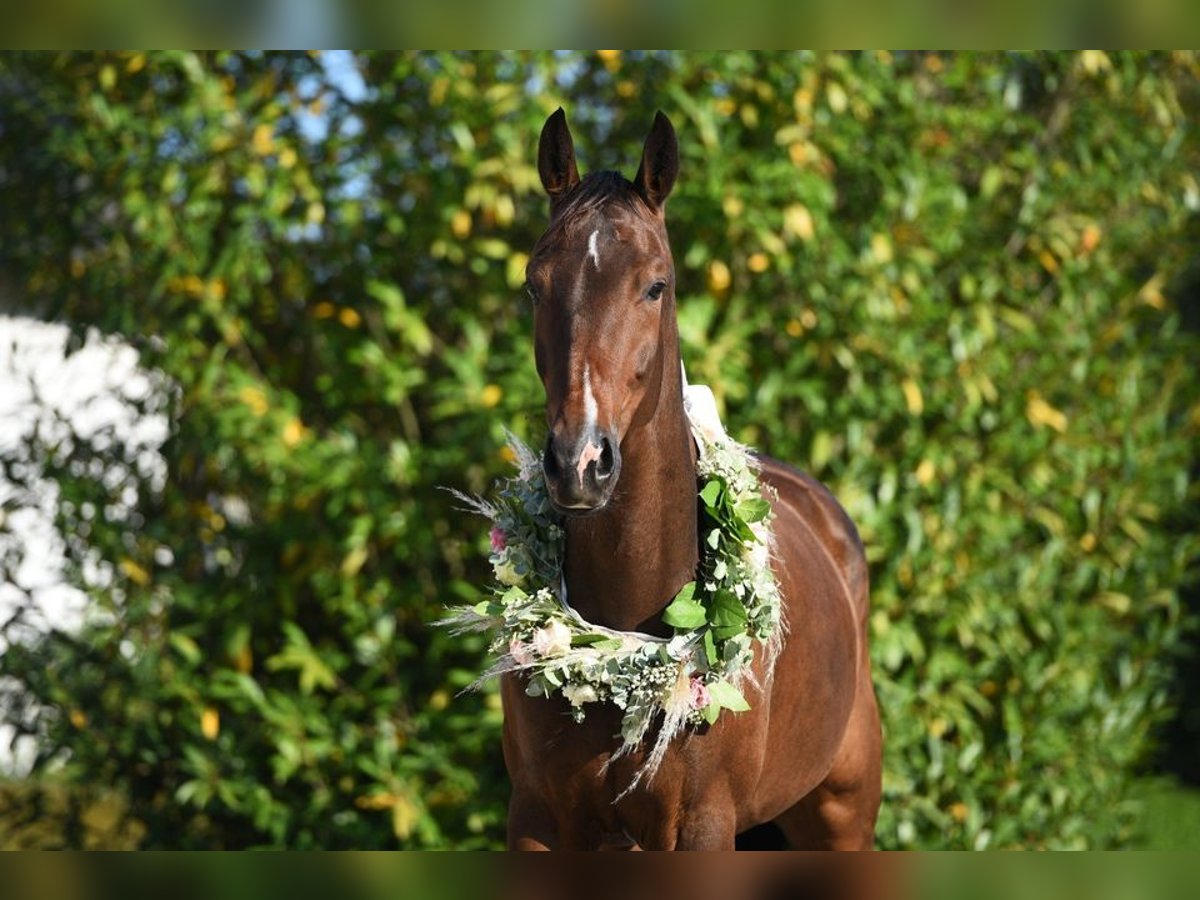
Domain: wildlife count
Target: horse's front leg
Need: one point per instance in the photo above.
(708, 825)
(531, 826)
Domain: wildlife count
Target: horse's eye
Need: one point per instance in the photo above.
(656, 290)
(531, 293)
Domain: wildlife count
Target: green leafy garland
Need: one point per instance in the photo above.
(690, 677)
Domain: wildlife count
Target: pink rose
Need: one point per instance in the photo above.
(700, 695)
(499, 539)
(520, 652)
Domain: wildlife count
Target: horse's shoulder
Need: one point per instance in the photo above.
(818, 509)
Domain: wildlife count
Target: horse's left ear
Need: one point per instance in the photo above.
(660, 163)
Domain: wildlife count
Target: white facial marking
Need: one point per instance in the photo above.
(593, 248)
(590, 451)
(589, 400)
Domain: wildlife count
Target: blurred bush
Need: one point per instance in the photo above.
(944, 284)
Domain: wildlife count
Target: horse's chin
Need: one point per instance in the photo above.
(581, 512)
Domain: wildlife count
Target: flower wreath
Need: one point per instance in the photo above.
(690, 677)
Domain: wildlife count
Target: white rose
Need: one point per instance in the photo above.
(552, 640)
(579, 694)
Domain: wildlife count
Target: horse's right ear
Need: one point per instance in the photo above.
(556, 158)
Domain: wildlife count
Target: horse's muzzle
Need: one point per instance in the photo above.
(581, 473)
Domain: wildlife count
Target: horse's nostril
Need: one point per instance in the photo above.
(604, 465)
(550, 459)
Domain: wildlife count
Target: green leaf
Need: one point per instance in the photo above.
(685, 612)
(727, 696)
(727, 609)
(711, 712)
(710, 647)
(754, 510)
(599, 641)
(710, 493)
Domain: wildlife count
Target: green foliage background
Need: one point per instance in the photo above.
(942, 284)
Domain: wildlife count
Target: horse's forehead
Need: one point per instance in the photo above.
(608, 237)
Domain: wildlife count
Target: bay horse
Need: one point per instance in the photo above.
(620, 464)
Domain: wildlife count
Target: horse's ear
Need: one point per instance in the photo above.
(556, 157)
(660, 163)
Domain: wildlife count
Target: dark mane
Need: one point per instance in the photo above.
(595, 191)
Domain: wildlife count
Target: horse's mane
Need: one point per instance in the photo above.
(595, 191)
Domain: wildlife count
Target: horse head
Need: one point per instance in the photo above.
(602, 282)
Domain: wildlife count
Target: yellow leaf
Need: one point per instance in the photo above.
(1087, 543)
(350, 318)
(1042, 414)
(263, 139)
(255, 399)
(1151, 293)
(375, 801)
(78, 719)
(404, 817)
(733, 206)
(136, 63)
(758, 262)
(925, 472)
(244, 661)
(718, 277)
(912, 397)
(210, 723)
(293, 432)
(959, 812)
(505, 210)
(515, 270)
(315, 214)
(135, 572)
(460, 224)
(324, 310)
(1049, 263)
(881, 248)
(439, 700)
(1090, 239)
(287, 157)
(354, 561)
(610, 58)
(507, 454)
(799, 221)
(835, 94)
(794, 328)
(1094, 61)
(1118, 603)
(491, 395)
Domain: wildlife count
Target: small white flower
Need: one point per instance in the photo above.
(552, 640)
(579, 694)
(759, 555)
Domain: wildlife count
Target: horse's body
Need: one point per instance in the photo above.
(621, 463)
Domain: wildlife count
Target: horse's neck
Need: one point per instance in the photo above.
(625, 564)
